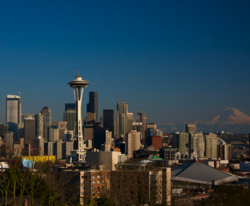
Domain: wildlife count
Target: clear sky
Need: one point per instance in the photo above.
(176, 60)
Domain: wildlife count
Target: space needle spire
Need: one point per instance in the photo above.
(78, 85)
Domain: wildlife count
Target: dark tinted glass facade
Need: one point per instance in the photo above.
(108, 120)
(92, 106)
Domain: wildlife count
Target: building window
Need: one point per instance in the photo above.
(107, 181)
(93, 182)
(93, 193)
(98, 182)
(107, 176)
(103, 181)
(145, 182)
(103, 176)
(93, 188)
(93, 177)
(145, 177)
(98, 176)
(82, 188)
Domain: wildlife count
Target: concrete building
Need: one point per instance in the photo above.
(29, 130)
(108, 120)
(105, 147)
(142, 119)
(211, 142)
(196, 144)
(151, 126)
(69, 116)
(53, 133)
(133, 142)
(156, 142)
(224, 151)
(68, 135)
(20, 132)
(181, 141)
(3, 129)
(47, 116)
(70, 106)
(38, 146)
(191, 128)
(9, 141)
(67, 147)
(151, 186)
(121, 119)
(105, 159)
(13, 113)
(168, 153)
(39, 126)
(62, 126)
(130, 121)
(92, 106)
(108, 137)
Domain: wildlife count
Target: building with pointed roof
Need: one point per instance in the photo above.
(199, 172)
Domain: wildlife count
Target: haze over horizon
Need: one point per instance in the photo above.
(177, 61)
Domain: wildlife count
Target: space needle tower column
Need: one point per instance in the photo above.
(78, 85)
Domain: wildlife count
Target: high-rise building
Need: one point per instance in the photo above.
(20, 133)
(191, 128)
(29, 130)
(131, 120)
(70, 106)
(211, 142)
(224, 151)
(53, 133)
(25, 115)
(69, 116)
(46, 121)
(38, 146)
(108, 137)
(39, 125)
(142, 119)
(181, 141)
(92, 106)
(121, 119)
(197, 144)
(133, 140)
(108, 120)
(13, 113)
(151, 126)
(3, 129)
(9, 141)
(62, 128)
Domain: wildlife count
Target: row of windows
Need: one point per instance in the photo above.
(98, 182)
(103, 187)
(98, 176)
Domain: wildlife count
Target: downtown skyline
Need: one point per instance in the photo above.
(177, 62)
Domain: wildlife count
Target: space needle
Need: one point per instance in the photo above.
(78, 85)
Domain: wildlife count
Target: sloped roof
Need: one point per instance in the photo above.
(198, 172)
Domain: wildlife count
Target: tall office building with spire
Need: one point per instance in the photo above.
(13, 112)
(46, 121)
(92, 106)
(121, 119)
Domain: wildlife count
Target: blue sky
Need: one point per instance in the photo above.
(178, 61)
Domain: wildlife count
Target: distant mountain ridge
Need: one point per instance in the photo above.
(229, 120)
(228, 116)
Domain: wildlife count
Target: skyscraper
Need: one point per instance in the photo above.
(39, 125)
(191, 128)
(211, 142)
(92, 106)
(70, 106)
(108, 120)
(197, 144)
(69, 116)
(142, 116)
(121, 119)
(13, 112)
(46, 121)
(132, 142)
(130, 121)
(181, 141)
(29, 130)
